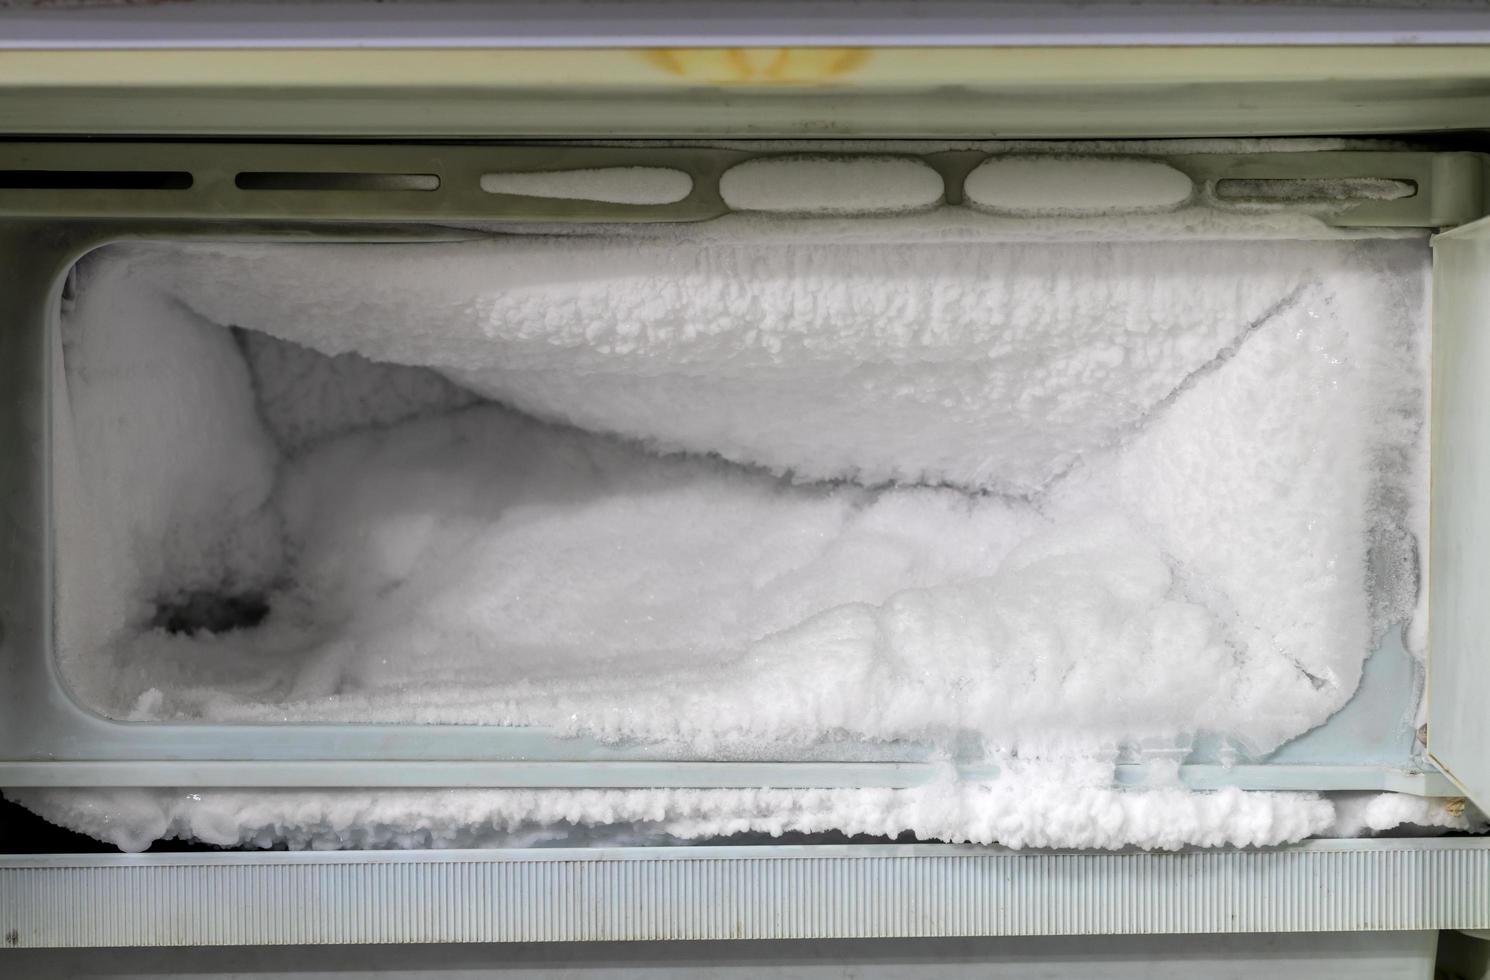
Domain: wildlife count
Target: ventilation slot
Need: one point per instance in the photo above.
(1291, 190)
(95, 180)
(309, 180)
(607, 185)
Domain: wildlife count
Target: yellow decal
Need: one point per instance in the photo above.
(757, 66)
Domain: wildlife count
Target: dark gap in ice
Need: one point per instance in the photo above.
(209, 612)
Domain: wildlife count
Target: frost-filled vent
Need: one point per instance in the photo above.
(1295, 190)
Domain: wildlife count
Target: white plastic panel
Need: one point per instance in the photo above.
(1459, 541)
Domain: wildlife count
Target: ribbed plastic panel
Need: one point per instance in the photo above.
(735, 893)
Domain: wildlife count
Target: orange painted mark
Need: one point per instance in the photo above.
(758, 66)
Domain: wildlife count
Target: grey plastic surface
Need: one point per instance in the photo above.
(1244, 956)
(773, 892)
(730, 23)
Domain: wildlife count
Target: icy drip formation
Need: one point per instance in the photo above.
(1165, 487)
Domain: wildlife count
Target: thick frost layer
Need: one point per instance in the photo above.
(1035, 813)
(1195, 471)
(983, 365)
(1076, 185)
(829, 185)
(1068, 497)
(1046, 813)
(1368, 814)
(305, 397)
(165, 471)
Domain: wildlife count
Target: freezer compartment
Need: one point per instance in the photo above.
(744, 492)
(793, 502)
